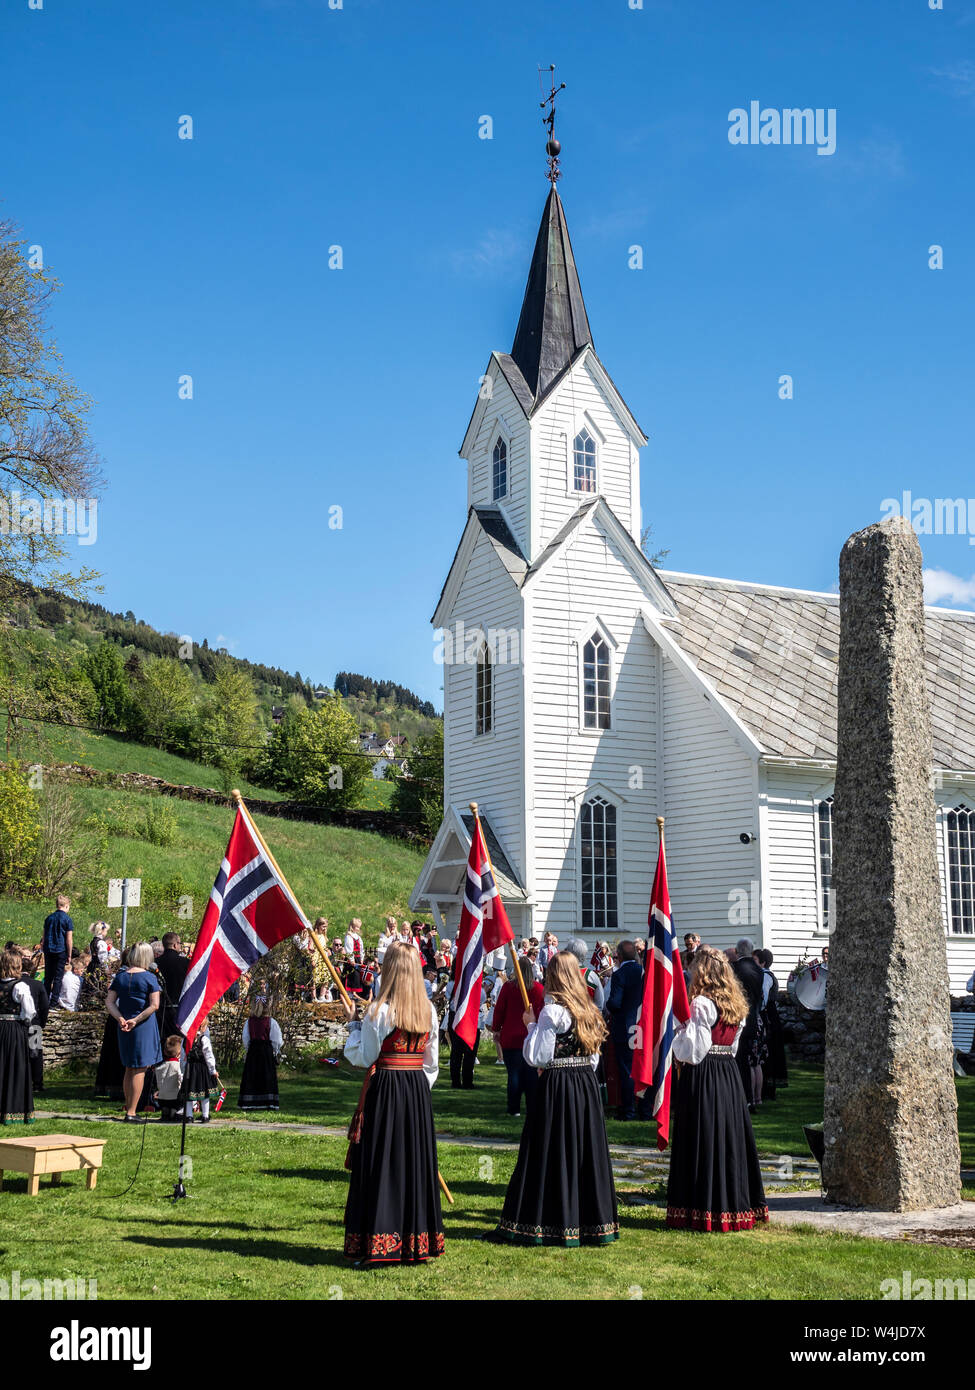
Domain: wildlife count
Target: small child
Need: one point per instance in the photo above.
(169, 1076)
(200, 1078)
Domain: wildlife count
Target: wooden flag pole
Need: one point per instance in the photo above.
(313, 934)
(311, 931)
(514, 953)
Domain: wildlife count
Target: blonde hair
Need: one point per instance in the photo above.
(403, 990)
(712, 976)
(564, 985)
(141, 956)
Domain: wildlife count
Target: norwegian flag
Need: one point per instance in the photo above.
(250, 910)
(664, 1000)
(484, 926)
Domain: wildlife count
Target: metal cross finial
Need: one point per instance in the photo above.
(552, 146)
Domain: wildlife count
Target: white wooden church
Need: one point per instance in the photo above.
(586, 693)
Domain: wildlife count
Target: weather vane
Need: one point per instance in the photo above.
(552, 146)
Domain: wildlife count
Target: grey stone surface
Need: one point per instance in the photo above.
(891, 1122)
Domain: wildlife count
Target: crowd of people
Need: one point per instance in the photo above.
(568, 1057)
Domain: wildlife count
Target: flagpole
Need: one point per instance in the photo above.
(274, 864)
(312, 933)
(514, 953)
(660, 832)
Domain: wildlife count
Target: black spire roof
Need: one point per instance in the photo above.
(553, 326)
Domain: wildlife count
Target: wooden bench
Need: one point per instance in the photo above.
(50, 1153)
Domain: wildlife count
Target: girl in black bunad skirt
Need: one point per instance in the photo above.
(263, 1041)
(392, 1215)
(17, 1008)
(715, 1180)
(562, 1192)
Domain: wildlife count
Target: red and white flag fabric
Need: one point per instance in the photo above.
(250, 910)
(484, 926)
(664, 1002)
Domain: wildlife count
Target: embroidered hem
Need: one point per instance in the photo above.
(678, 1217)
(394, 1248)
(570, 1237)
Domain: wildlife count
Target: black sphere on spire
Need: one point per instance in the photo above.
(553, 149)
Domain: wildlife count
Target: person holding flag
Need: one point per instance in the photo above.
(715, 1181)
(562, 1191)
(393, 1214)
(664, 1002)
(484, 928)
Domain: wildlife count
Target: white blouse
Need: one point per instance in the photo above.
(276, 1040)
(367, 1037)
(692, 1041)
(21, 993)
(538, 1048)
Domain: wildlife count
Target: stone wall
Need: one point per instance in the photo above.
(355, 818)
(70, 1037)
(805, 1029)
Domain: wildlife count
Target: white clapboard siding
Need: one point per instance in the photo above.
(515, 503)
(710, 799)
(487, 768)
(961, 949)
(553, 430)
(791, 896)
(589, 580)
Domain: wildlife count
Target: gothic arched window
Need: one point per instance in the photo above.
(960, 824)
(499, 469)
(824, 817)
(584, 462)
(596, 704)
(483, 693)
(599, 883)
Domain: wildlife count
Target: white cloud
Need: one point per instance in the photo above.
(229, 643)
(942, 587)
(959, 78)
(496, 250)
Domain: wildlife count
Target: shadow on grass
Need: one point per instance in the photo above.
(311, 1174)
(248, 1249)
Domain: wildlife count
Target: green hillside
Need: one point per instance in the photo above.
(333, 870)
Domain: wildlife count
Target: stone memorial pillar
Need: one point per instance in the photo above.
(891, 1122)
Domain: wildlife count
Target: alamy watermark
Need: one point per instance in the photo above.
(19, 1290)
(758, 125)
(933, 516)
(49, 516)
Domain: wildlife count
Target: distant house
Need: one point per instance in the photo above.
(400, 743)
(321, 693)
(277, 714)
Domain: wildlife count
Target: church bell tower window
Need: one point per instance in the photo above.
(584, 462)
(499, 469)
(483, 695)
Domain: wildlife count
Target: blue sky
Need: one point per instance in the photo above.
(353, 387)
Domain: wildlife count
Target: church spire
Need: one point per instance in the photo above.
(553, 326)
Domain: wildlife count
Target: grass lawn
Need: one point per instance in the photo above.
(328, 1095)
(334, 870)
(264, 1220)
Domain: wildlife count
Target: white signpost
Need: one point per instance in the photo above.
(124, 893)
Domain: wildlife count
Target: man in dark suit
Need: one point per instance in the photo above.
(623, 1006)
(172, 966)
(751, 977)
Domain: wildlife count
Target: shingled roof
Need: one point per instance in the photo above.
(772, 655)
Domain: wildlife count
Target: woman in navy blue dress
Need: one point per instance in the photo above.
(134, 1001)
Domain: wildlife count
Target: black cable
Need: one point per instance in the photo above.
(145, 1126)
